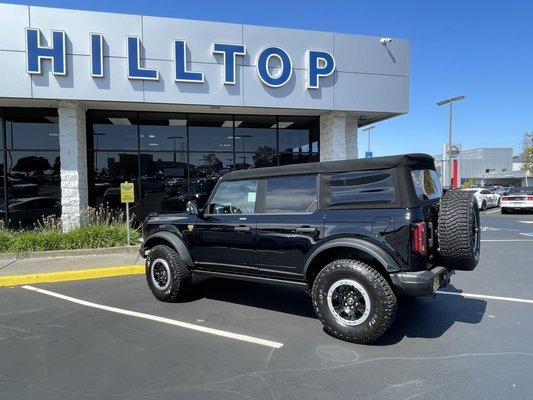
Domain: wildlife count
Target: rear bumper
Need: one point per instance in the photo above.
(421, 283)
(517, 206)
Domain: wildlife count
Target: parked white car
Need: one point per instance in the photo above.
(485, 198)
(518, 199)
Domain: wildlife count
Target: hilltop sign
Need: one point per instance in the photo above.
(273, 64)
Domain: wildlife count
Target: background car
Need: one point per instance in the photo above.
(518, 199)
(485, 199)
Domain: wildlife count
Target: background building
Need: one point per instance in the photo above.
(90, 99)
(489, 166)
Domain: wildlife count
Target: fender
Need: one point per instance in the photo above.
(175, 241)
(360, 244)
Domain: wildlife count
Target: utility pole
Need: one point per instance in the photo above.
(367, 130)
(450, 101)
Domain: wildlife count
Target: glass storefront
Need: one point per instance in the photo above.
(172, 157)
(29, 165)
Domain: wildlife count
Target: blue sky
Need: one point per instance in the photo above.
(480, 49)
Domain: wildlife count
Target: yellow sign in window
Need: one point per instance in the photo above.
(127, 192)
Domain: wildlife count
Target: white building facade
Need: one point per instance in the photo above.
(90, 99)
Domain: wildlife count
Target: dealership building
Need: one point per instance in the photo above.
(89, 100)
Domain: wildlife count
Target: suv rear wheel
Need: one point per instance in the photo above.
(353, 301)
(167, 274)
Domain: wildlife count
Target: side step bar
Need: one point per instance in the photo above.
(216, 274)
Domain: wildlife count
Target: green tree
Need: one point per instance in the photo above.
(527, 152)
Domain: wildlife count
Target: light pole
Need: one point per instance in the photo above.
(97, 135)
(174, 144)
(450, 101)
(243, 137)
(367, 130)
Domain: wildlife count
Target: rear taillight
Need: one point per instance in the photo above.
(419, 237)
(505, 198)
(530, 198)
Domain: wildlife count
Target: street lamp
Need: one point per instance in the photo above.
(368, 129)
(242, 136)
(97, 135)
(174, 144)
(450, 101)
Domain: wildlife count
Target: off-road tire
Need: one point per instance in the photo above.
(179, 278)
(383, 302)
(459, 231)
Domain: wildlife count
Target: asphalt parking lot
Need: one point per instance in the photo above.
(110, 339)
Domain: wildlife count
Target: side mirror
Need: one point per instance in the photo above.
(191, 208)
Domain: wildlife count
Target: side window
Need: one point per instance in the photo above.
(427, 184)
(234, 197)
(485, 191)
(291, 194)
(362, 187)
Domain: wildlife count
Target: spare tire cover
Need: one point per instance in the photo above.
(458, 230)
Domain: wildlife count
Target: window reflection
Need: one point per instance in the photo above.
(173, 158)
(110, 170)
(33, 187)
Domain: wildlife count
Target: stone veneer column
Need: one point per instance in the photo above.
(73, 153)
(338, 136)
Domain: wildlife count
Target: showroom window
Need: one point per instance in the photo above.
(172, 157)
(30, 166)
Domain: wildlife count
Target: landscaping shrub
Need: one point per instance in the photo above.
(100, 228)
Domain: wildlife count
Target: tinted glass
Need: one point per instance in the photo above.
(210, 165)
(298, 134)
(522, 190)
(110, 170)
(427, 184)
(363, 187)
(234, 197)
(297, 158)
(255, 134)
(158, 138)
(210, 132)
(33, 135)
(33, 181)
(294, 194)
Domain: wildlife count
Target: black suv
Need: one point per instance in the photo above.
(357, 233)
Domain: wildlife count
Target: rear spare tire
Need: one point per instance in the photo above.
(458, 230)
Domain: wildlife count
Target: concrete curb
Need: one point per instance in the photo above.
(71, 275)
(68, 253)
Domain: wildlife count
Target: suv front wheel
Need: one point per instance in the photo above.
(167, 275)
(353, 301)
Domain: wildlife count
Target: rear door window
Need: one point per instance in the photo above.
(427, 184)
(362, 187)
(291, 195)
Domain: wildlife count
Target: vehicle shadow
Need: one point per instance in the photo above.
(417, 317)
(274, 297)
(431, 318)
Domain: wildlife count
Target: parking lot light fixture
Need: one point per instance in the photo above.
(450, 101)
(368, 130)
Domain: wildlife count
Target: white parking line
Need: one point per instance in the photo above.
(526, 222)
(492, 211)
(507, 240)
(186, 325)
(483, 296)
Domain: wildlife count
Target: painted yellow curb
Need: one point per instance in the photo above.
(72, 275)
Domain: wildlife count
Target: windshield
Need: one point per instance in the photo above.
(522, 190)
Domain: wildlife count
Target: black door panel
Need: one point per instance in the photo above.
(285, 241)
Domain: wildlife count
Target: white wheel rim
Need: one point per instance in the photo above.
(158, 271)
(348, 302)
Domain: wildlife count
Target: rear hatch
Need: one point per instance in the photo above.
(518, 196)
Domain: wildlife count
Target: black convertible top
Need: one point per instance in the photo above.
(414, 160)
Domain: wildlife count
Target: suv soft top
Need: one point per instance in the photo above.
(415, 161)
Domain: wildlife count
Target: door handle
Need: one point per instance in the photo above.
(305, 229)
(242, 228)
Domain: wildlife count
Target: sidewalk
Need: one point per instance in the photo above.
(63, 266)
